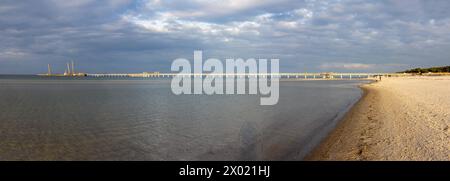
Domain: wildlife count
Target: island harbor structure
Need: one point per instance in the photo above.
(68, 72)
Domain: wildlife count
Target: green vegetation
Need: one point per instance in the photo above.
(426, 70)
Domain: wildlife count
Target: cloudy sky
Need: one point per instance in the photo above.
(146, 35)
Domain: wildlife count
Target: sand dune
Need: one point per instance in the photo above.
(397, 119)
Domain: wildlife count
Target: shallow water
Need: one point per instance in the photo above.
(140, 119)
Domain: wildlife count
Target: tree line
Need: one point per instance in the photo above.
(426, 70)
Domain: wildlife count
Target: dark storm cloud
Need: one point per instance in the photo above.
(146, 35)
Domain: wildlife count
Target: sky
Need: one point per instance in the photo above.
(125, 36)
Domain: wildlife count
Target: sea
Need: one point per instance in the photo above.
(79, 118)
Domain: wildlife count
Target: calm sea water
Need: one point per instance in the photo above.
(140, 119)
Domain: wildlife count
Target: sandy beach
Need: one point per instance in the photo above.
(404, 118)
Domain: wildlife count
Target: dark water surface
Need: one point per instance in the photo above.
(140, 119)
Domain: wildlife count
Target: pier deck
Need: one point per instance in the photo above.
(247, 75)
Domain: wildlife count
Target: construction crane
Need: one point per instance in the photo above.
(49, 70)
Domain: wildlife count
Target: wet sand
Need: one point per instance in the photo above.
(397, 119)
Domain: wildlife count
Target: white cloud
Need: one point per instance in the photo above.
(170, 23)
(207, 8)
(304, 13)
(12, 53)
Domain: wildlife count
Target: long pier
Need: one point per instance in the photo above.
(70, 72)
(249, 75)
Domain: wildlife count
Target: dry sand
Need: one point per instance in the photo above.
(397, 119)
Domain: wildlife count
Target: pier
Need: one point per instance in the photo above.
(70, 72)
(308, 76)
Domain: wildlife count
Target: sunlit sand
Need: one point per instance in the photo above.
(397, 119)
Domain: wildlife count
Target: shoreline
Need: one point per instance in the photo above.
(321, 150)
(395, 119)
